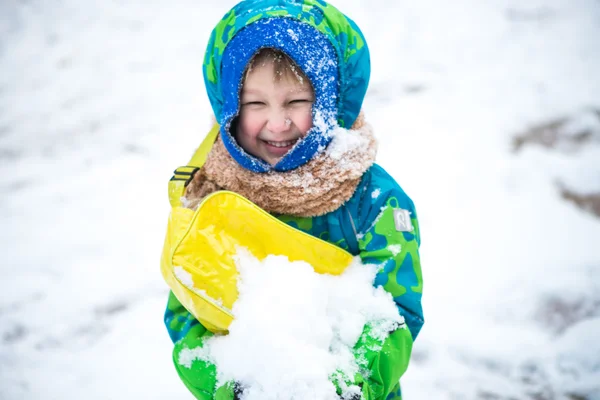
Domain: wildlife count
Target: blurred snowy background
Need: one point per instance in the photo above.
(488, 114)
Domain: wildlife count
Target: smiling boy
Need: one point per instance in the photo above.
(286, 80)
(276, 106)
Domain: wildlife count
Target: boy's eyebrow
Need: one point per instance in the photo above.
(251, 91)
(303, 89)
(259, 91)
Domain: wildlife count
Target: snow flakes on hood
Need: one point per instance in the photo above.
(293, 35)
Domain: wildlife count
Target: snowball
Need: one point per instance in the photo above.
(295, 329)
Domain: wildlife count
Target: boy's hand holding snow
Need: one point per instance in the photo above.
(279, 345)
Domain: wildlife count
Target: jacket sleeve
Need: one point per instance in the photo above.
(390, 239)
(188, 335)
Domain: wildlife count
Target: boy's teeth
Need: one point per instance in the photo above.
(282, 144)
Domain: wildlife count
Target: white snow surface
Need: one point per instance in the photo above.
(288, 340)
(100, 102)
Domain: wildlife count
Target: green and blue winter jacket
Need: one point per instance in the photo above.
(378, 223)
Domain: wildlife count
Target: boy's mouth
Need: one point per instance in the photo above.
(279, 148)
(287, 143)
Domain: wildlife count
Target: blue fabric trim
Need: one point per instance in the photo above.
(413, 321)
(313, 53)
(189, 323)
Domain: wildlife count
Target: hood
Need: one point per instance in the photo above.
(326, 45)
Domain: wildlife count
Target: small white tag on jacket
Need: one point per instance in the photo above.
(402, 220)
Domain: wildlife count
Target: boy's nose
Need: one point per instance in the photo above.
(278, 121)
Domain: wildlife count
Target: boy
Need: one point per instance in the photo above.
(285, 78)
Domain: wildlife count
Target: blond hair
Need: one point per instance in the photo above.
(283, 65)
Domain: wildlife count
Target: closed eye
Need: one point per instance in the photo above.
(300, 101)
(253, 103)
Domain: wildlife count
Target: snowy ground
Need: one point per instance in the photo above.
(99, 102)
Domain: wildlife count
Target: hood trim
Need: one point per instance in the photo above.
(315, 56)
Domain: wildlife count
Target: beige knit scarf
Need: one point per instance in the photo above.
(316, 188)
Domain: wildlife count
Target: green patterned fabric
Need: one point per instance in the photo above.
(364, 226)
(379, 223)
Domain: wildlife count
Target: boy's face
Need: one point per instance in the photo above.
(274, 114)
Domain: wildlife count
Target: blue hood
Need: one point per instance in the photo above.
(326, 45)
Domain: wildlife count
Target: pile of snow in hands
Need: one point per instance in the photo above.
(295, 329)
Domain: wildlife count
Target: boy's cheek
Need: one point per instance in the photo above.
(303, 120)
(250, 124)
